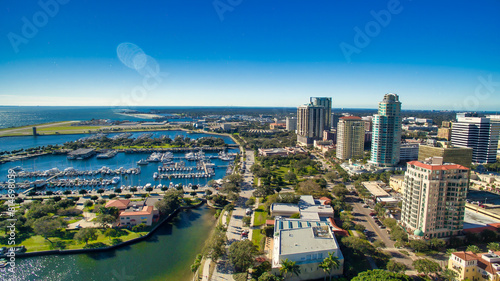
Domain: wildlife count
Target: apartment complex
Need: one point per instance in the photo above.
(291, 124)
(434, 198)
(386, 136)
(310, 123)
(450, 154)
(350, 138)
(327, 104)
(479, 133)
(409, 151)
(476, 267)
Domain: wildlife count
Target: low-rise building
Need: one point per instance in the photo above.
(307, 244)
(409, 152)
(308, 208)
(276, 126)
(477, 267)
(396, 183)
(133, 216)
(120, 204)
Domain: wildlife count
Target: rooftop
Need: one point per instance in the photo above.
(375, 188)
(306, 240)
(443, 167)
(146, 210)
(119, 203)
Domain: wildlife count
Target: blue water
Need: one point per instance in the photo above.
(13, 116)
(13, 143)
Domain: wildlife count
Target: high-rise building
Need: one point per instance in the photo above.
(386, 138)
(350, 138)
(450, 154)
(327, 103)
(434, 198)
(291, 124)
(310, 123)
(335, 120)
(479, 133)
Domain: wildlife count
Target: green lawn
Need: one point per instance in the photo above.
(260, 216)
(38, 243)
(257, 238)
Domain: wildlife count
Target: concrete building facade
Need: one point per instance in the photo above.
(434, 198)
(310, 123)
(291, 124)
(351, 138)
(327, 104)
(450, 154)
(386, 137)
(480, 134)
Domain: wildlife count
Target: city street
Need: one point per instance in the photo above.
(223, 270)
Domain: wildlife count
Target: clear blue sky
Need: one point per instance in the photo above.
(257, 53)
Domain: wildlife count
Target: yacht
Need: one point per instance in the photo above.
(115, 180)
(142, 162)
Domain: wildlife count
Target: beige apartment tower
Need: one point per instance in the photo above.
(310, 123)
(434, 198)
(350, 137)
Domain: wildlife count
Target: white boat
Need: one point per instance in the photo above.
(155, 175)
(115, 180)
(17, 169)
(142, 162)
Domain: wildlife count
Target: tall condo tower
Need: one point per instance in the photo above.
(327, 103)
(386, 138)
(310, 123)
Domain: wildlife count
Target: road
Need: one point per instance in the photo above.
(223, 270)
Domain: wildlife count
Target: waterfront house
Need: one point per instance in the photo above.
(133, 216)
(120, 204)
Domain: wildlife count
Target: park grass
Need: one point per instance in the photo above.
(38, 243)
(257, 238)
(260, 216)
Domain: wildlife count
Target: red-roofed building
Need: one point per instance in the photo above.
(483, 266)
(134, 216)
(434, 198)
(121, 204)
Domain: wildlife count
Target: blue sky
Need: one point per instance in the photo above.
(254, 53)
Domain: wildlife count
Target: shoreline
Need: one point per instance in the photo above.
(109, 248)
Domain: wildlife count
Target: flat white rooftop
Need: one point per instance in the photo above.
(306, 240)
(375, 189)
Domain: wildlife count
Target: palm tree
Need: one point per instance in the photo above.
(288, 266)
(329, 263)
(473, 248)
(494, 246)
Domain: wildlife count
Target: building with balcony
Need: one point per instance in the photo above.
(350, 138)
(310, 123)
(434, 198)
(476, 267)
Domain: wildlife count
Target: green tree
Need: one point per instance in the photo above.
(329, 263)
(47, 227)
(426, 266)
(379, 274)
(494, 246)
(473, 248)
(110, 232)
(395, 266)
(242, 254)
(86, 235)
(288, 266)
(105, 219)
(450, 275)
(266, 276)
(418, 245)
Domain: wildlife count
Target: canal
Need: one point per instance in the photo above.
(166, 255)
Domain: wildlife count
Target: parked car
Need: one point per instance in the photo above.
(373, 214)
